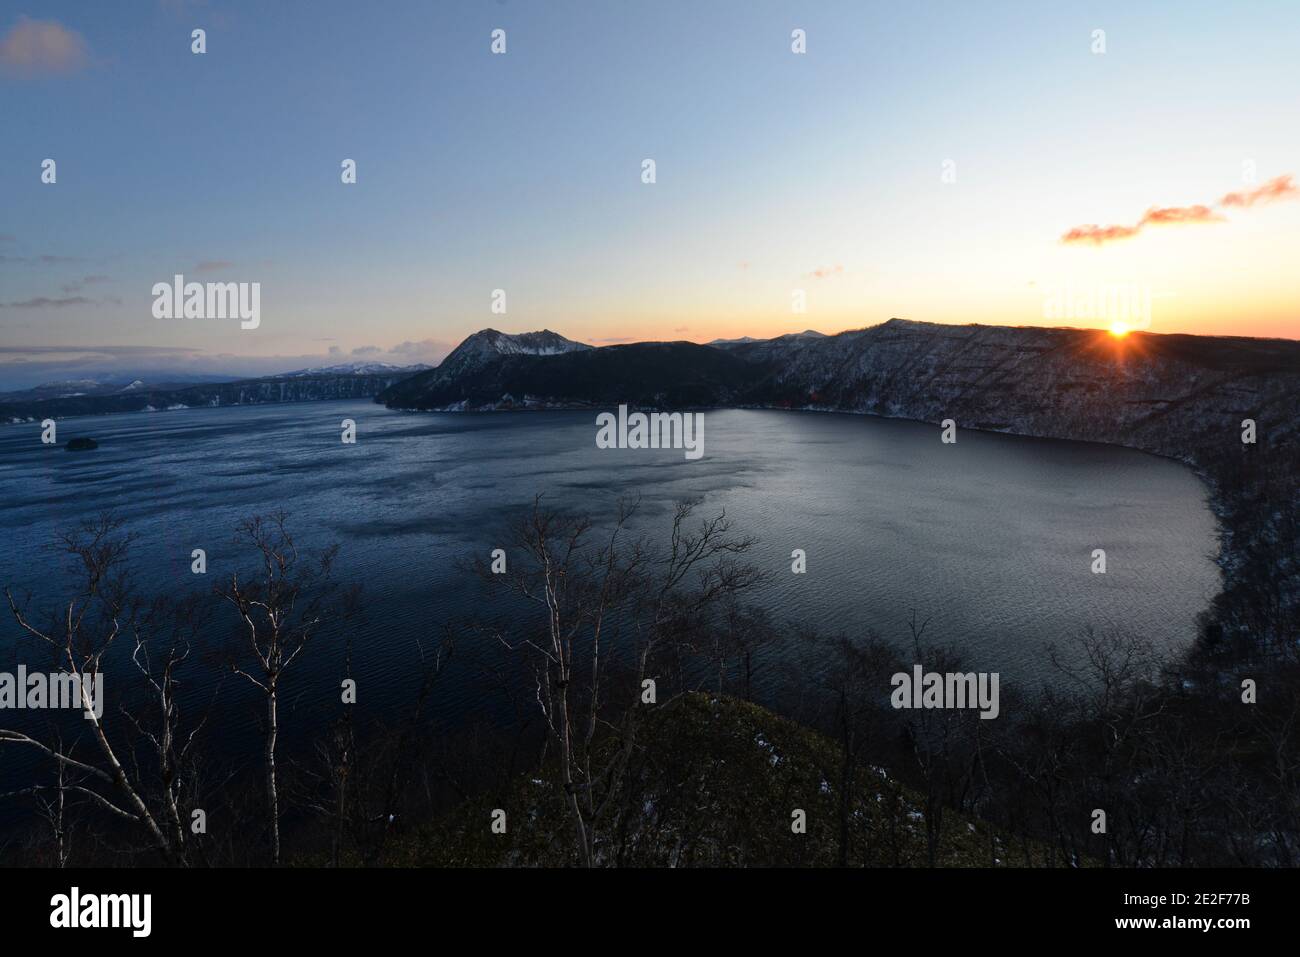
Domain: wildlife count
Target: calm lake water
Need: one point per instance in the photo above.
(991, 538)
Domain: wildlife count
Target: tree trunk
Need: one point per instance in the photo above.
(272, 799)
(566, 762)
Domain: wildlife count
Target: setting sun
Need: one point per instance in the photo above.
(1119, 329)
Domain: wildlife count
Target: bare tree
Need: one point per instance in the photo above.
(78, 639)
(740, 636)
(281, 607)
(856, 680)
(945, 744)
(1118, 702)
(362, 791)
(594, 593)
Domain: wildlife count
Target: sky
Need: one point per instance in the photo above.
(948, 162)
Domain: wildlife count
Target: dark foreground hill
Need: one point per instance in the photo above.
(715, 784)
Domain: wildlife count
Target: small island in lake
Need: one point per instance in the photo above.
(80, 444)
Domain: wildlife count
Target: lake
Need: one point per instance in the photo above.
(990, 538)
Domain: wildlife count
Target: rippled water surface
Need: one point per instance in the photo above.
(991, 538)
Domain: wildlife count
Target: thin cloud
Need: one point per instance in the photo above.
(35, 48)
(45, 302)
(213, 265)
(825, 272)
(77, 284)
(94, 350)
(1176, 215)
(45, 260)
(1278, 188)
(425, 350)
(1093, 233)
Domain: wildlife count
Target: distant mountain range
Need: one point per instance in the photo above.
(1144, 389)
(354, 368)
(109, 385)
(806, 334)
(1186, 397)
(59, 400)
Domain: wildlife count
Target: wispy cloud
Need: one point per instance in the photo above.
(45, 302)
(213, 265)
(424, 350)
(45, 260)
(825, 272)
(1098, 234)
(1175, 215)
(1277, 188)
(78, 284)
(94, 350)
(1280, 187)
(34, 48)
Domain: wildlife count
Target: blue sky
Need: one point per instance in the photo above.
(775, 171)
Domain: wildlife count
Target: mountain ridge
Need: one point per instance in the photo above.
(1191, 398)
(1014, 378)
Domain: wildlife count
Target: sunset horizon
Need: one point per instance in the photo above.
(775, 176)
(556, 435)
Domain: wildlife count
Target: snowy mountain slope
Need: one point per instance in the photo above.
(480, 351)
(1186, 397)
(1161, 393)
(354, 368)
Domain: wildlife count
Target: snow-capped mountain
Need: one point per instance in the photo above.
(354, 368)
(1164, 393)
(486, 350)
(544, 343)
(489, 343)
(746, 340)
